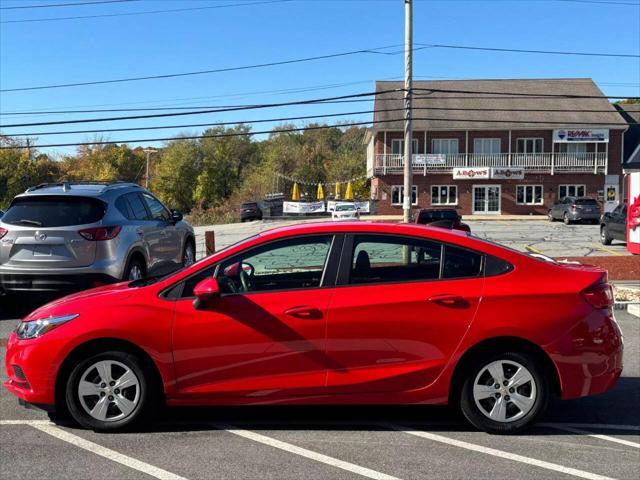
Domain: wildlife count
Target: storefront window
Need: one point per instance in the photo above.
(486, 146)
(529, 195)
(571, 191)
(444, 195)
(397, 194)
(397, 146)
(573, 148)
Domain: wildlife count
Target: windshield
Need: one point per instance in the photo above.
(54, 211)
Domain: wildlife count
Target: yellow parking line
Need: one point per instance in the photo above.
(533, 249)
(608, 250)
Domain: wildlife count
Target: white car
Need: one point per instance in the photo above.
(345, 211)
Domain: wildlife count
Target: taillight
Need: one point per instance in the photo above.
(101, 233)
(573, 207)
(599, 295)
(3, 232)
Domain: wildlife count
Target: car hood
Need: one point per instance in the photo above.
(79, 301)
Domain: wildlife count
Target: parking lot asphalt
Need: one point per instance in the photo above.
(592, 438)
(538, 236)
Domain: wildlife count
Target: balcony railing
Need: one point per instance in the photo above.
(531, 162)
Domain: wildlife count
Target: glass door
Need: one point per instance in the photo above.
(486, 199)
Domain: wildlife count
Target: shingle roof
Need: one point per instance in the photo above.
(440, 113)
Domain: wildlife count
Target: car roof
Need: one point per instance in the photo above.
(85, 189)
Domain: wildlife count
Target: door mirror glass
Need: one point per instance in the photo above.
(205, 291)
(176, 216)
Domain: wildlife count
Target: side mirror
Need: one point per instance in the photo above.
(205, 292)
(176, 216)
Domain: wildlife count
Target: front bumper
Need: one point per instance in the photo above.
(48, 282)
(34, 380)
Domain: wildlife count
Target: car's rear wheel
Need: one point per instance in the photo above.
(604, 236)
(504, 393)
(567, 220)
(550, 216)
(189, 254)
(109, 391)
(135, 270)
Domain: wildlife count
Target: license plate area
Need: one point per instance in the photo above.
(41, 251)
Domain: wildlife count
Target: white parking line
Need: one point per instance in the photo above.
(303, 452)
(105, 452)
(24, 422)
(608, 438)
(602, 426)
(500, 453)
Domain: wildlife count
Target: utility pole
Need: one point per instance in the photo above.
(148, 151)
(408, 80)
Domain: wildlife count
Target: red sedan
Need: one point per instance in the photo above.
(348, 313)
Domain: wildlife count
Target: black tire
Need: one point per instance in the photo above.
(480, 420)
(147, 400)
(550, 217)
(132, 264)
(189, 245)
(566, 219)
(604, 236)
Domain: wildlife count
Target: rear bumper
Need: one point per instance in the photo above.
(45, 282)
(589, 358)
(577, 216)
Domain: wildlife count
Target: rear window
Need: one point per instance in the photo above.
(249, 205)
(427, 217)
(585, 201)
(46, 212)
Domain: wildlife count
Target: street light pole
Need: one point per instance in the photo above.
(408, 79)
(148, 151)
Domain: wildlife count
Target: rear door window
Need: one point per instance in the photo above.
(137, 207)
(390, 259)
(54, 211)
(461, 263)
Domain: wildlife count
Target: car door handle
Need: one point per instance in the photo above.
(304, 312)
(447, 299)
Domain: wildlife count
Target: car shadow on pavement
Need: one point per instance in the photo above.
(620, 406)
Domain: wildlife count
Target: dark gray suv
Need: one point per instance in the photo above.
(72, 236)
(575, 209)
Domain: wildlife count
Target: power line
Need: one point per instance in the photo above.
(51, 5)
(309, 117)
(295, 129)
(199, 112)
(203, 72)
(519, 50)
(127, 14)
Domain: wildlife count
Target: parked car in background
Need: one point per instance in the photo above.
(329, 313)
(613, 225)
(575, 209)
(250, 211)
(345, 211)
(441, 217)
(70, 236)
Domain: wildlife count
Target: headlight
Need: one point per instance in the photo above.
(37, 328)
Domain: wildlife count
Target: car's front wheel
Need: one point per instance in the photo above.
(188, 254)
(505, 393)
(604, 236)
(550, 216)
(109, 391)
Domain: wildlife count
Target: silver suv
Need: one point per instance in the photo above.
(73, 236)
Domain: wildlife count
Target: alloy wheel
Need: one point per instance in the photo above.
(136, 272)
(504, 391)
(109, 391)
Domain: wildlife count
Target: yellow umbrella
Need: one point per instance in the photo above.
(320, 192)
(337, 191)
(348, 195)
(295, 195)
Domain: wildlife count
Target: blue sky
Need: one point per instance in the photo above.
(43, 53)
